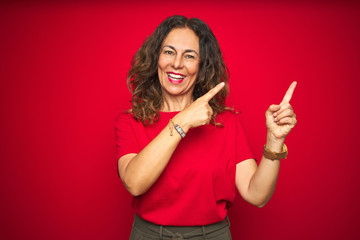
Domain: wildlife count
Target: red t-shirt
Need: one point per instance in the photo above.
(198, 184)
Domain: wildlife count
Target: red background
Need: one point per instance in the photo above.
(63, 81)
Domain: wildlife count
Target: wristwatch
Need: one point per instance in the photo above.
(275, 156)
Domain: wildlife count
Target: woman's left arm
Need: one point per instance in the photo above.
(256, 184)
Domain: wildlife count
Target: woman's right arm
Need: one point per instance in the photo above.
(140, 171)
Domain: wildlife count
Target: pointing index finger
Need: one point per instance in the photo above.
(289, 93)
(211, 93)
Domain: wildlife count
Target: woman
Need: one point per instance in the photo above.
(182, 152)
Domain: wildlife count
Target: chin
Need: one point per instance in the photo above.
(174, 91)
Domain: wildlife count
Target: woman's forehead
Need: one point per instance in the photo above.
(182, 39)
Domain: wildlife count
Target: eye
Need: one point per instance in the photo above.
(169, 52)
(189, 56)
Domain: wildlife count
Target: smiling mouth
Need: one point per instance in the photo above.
(175, 78)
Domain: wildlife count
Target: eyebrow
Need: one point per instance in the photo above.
(187, 50)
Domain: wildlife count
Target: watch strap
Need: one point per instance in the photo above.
(274, 155)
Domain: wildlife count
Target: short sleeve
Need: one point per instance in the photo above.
(243, 150)
(125, 138)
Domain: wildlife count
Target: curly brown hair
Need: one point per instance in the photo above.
(143, 81)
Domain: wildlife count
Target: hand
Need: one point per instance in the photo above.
(280, 119)
(199, 112)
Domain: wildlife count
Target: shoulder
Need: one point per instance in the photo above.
(228, 114)
(124, 117)
(123, 114)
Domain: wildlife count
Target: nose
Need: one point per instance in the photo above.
(177, 61)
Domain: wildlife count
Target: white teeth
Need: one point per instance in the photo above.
(175, 76)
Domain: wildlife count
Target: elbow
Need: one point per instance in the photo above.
(134, 192)
(134, 188)
(260, 205)
(260, 201)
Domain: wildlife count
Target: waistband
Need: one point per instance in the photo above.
(179, 232)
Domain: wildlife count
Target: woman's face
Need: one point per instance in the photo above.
(179, 60)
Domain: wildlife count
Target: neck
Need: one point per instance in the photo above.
(176, 103)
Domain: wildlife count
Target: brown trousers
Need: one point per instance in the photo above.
(142, 230)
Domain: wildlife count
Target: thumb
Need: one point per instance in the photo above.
(273, 108)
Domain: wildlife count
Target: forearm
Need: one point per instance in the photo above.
(263, 182)
(256, 184)
(146, 167)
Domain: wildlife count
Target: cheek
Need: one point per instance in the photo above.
(193, 69)
(162, 63)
